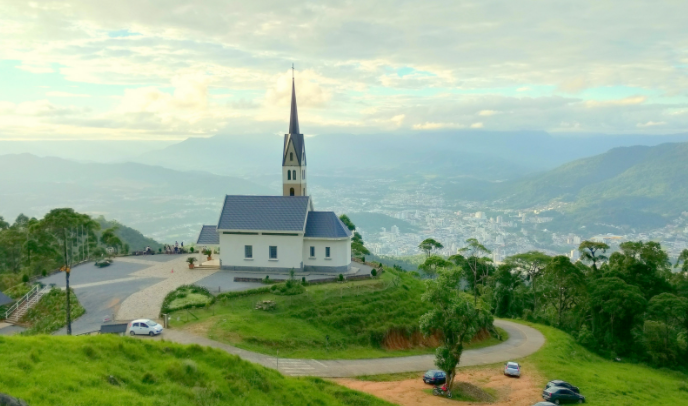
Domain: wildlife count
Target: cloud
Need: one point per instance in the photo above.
(650, 124)
(436, 126)
(628, 101)
(477, 125)
(487, 112)
(309, 90)
(523, 89)
(573, 85)
(65, 94)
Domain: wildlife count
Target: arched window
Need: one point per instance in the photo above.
(291, 156)
(303, 173)
(293, 174)
(288, 175)
(291, 192)
(304, 191)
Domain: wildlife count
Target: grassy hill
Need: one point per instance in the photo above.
(604, 382)
(128, 235)
(116, 371)
(364, 319)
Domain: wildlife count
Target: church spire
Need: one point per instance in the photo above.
(294, 119)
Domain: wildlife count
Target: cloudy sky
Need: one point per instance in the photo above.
(138, 69)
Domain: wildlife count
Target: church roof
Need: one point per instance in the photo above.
(4, 299)
(208, 236)
(325, 224)
(264, 213)
(294, 116)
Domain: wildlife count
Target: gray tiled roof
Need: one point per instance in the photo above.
(270, 213)
(298, 141)
(208, 236)
(4, 299)
(325, 224)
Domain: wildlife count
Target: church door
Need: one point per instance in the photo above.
(291, 191)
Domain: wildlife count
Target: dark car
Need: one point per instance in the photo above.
(560, 396)
(544, 404)
(562, 384)
(435, 377)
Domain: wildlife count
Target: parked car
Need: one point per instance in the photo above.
(562, 384)
(512, 369)
(435, 377)
(544, 404)
(559, 396)
(145, 326)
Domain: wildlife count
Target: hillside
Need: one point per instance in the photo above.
(129, 236)
(166, 204)
(114, 371)
(634, 187)
(373, 222)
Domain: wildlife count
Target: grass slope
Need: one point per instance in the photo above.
(604, 382)
(46, 370)
(50, 313)
(355, 316)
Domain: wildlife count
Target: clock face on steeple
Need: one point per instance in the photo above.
(294, 154)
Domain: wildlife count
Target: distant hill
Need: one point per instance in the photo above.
(373, 222)
(636, 187)
(165, 204)
(129, 236)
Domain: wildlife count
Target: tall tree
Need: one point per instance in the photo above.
(434, 264)
(3, 224)
(111, 239)
(429, 245)
(456, 320)
(506, 281)
(589, 252)
(532, 265)
(618, 300)
(564, 283)
(358, 248)
(476, 263)
(682, 260)
(669, 309)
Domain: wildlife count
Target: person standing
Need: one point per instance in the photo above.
(176, 247)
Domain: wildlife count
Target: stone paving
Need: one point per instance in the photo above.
(146, 303)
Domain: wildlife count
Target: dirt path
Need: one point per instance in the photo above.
(524, 391)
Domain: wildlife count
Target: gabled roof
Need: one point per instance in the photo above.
(325, 224)
(264, 213)
(4, 299)
(208, 236)
(294, 116)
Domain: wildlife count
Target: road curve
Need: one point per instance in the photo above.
(523, 341)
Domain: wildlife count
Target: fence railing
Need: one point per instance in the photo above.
(34, 290)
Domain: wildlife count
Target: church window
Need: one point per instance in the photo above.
(312, 252)
(303, 173)
(288, 175)
(293, 174)
(291, 156)
(327, 252)
(291, 191)
(304, 191)
(248, 251)
(273, 252)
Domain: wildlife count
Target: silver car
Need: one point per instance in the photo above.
(512, 369)
(145, 327)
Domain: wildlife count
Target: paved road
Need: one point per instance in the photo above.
(523, 341)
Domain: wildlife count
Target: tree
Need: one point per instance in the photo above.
(589, 252)
(110, 239)
(565, 283)
(433, 264)
(456, 320)
(618, 300)
(357, 247)
(670, 310)
(682, 259)
(429, 245)
(475, 263)
(347, 222)
(506, 282)
(3, 224)
(531, 264)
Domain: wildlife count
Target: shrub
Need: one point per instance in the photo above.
(267, 279)
(244, 293)
(191, 250)
(186, 297)
(373, 272)
(25, 278)
(340, 278)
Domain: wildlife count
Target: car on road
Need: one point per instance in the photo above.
(434, 377)
(512, 369)
(562, 384)
(544, 404)
(560, 396)
(144, 327)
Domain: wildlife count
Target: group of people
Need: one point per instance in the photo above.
(174, 249)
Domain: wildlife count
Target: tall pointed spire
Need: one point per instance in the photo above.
(294, 119)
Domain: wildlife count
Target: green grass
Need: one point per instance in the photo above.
(356, 317)
(50, 313)
(466, 392)
(191, 299)
(602, 381)
(46, 370)
(18, 291)
(186, 297)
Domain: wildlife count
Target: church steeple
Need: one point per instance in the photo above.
(294, 154)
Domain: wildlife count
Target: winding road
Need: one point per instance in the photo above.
(523, 341)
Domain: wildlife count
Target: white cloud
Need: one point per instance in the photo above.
(650, 124)
(523, 89)
(477, 125)
(436, 126)
(65, 94)
(628, 101)
(487, 112)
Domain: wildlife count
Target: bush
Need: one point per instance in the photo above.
(244, 293)
(267, 279)
(373, 272)
(340, 278)
(187, 297)
(25, 278)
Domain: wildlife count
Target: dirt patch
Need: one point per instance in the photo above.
(522, 391)
(397, 339)
(200, 329)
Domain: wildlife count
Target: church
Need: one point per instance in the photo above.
(281, 233)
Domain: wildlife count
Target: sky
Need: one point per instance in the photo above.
(173, 69)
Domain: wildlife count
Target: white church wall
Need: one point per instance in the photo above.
(340, 252)
(289, 251)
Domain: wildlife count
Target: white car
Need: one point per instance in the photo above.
(512, 369)
(145, 327)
